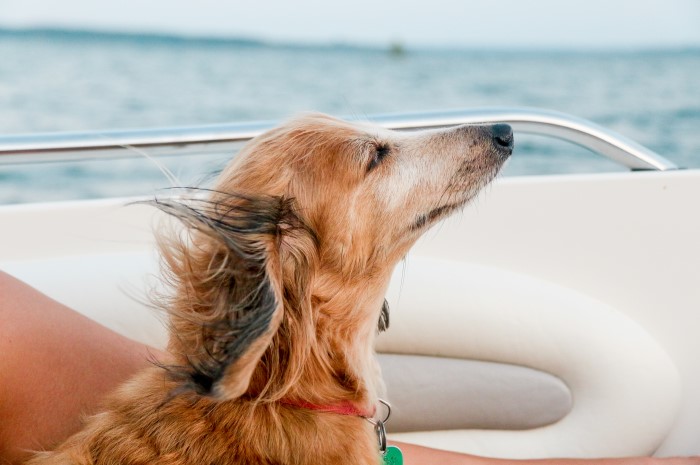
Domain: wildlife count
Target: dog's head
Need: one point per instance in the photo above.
(280, 284)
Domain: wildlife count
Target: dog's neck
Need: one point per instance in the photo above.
(334, 366)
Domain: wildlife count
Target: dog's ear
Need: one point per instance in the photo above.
(237, 264)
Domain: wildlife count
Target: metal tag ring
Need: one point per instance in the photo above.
(381, 435)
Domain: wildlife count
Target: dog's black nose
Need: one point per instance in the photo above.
(503, 138)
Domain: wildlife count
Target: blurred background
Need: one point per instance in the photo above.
(79, 65)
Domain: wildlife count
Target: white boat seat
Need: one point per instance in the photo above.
(543, 371)
(619, 377)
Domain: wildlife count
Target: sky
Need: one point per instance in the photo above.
(583, 24)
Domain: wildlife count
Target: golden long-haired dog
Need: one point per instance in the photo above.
(278, 285)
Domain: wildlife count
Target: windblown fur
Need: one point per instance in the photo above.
(277, 291)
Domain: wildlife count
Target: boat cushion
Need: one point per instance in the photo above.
(428, 393)
(443, 393)
(619, 376)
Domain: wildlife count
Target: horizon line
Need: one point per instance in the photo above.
(393, 46)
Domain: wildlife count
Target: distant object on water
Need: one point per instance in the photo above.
(397, 49)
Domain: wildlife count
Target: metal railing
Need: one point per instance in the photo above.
(224, 137)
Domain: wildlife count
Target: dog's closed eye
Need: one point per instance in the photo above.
(381, 151)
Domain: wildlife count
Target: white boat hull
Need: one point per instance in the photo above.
(594, 279)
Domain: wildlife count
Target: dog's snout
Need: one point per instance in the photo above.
(502, 135)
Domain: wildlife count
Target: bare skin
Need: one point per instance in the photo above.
(56, 365)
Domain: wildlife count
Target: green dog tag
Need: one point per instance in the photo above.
(393, 456)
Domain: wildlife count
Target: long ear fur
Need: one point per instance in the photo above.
(228, 272)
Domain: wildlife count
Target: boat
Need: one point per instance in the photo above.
(558, 316)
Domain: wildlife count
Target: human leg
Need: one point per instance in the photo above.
(55, 365)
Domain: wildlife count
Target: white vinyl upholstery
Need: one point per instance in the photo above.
(626, 390)
(618, 376)
(112, 289)
(445, 393)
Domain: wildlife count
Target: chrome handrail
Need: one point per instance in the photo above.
(224, 137)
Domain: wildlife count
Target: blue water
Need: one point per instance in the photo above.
(68, 81)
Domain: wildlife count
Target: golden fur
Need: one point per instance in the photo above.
(278, 283)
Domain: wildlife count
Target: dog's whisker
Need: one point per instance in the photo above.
(169, 175)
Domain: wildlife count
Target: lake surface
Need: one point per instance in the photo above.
(75, 81)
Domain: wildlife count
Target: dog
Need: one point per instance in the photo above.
(277, 286)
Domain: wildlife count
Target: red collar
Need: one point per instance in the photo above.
(341, 408)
